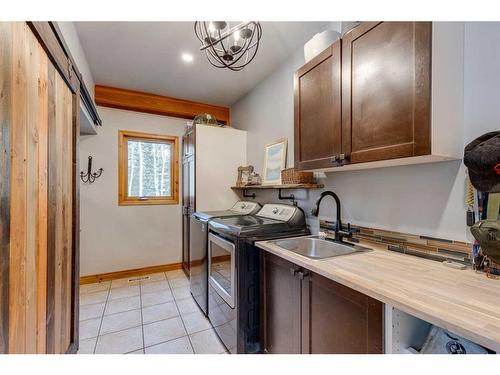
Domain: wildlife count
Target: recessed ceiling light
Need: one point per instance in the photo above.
(187, 57)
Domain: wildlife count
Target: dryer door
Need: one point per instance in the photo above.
(221, 268)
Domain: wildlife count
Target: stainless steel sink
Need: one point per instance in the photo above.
(318, 248)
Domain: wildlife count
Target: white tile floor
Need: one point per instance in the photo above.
(153, 316)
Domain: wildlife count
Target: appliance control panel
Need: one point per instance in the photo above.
(245, 207)
(281, 212)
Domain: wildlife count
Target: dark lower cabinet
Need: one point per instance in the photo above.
(337, 319)
(303, 312)
(281, 306)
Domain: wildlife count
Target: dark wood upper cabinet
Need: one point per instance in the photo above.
(366, 98)
(303, 312)
(386, 91)
(337, 319)
(318, 110)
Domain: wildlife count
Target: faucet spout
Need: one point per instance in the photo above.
(338, 223)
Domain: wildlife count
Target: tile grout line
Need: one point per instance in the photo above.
(142, 319)
(102, 318)
(182, 320)
(105, 304)
(162, 320)
(177, 338)
(107, 301)
(119, 312)
(120, 330)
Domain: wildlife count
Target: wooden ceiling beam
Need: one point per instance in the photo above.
(160, 105)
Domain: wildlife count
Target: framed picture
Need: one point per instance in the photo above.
(274, 162)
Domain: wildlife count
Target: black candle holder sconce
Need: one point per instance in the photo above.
(89, 176)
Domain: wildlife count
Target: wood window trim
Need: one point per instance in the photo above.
(123, 199)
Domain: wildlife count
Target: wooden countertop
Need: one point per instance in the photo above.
(462, 301)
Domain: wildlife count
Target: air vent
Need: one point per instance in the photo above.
(138, 278)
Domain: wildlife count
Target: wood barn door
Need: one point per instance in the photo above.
(60, 202)
(39, 243)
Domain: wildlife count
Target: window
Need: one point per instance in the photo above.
(148, 169)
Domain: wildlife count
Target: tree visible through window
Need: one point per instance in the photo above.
(148, 169)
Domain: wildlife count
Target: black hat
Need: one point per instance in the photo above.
(482, 157)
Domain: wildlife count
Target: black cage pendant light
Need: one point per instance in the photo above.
(226, 46)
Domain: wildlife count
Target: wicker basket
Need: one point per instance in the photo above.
(291, 176)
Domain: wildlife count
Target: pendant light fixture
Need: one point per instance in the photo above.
(227, 46)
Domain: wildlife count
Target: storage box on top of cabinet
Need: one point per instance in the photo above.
(390, 93)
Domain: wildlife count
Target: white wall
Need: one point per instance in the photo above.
(113, 237)
(482, 78)
(421, 199)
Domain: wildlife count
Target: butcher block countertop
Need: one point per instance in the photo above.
(462, 301)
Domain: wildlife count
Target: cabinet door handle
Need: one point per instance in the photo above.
(302, 274)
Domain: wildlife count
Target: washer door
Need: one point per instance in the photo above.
(221, 268)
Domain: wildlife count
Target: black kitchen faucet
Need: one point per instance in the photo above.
(339, 231)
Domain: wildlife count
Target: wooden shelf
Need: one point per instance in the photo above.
(286, 186)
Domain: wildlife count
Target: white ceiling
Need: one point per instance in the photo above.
(146, 56)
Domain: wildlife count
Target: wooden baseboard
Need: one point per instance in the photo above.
(128, 273)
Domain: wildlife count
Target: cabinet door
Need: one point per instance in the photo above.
(339, 320)
(281, 306)
(318, 110)
(386, 71)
